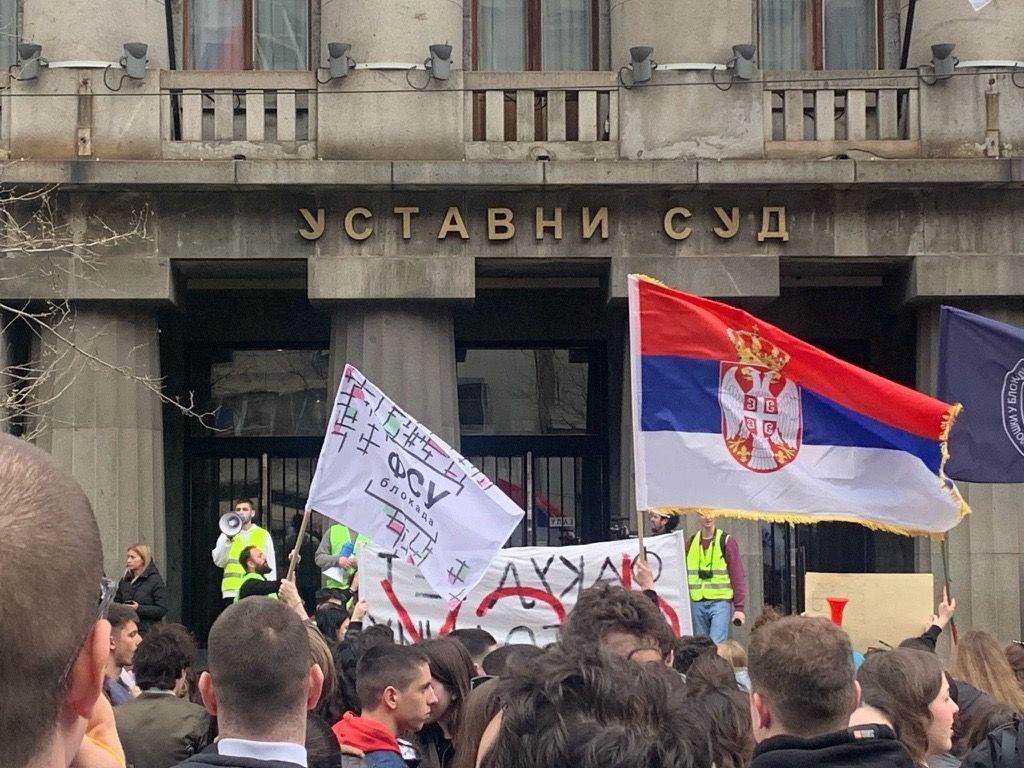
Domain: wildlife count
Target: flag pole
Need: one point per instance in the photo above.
(946, 589)
(298, 545)
(640, 532)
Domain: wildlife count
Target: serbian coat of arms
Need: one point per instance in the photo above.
(762, 423)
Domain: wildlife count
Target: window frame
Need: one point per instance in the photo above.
(534, 39)
(816, 34)
(249, 38)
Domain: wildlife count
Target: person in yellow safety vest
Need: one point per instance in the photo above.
(228, 548)
(254, 582)
(717, 583)
(338, 549)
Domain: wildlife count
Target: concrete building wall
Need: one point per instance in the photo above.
(992, 33)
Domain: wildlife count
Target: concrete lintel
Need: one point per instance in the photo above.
(724, 277)
(321, 173)
(815, 172)
(152, 173)
(957, 276)
(961, 171)
(448, 278)
(461, 173)
(117, 278)
(617, 172)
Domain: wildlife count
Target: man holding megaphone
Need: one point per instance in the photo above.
(237, 531)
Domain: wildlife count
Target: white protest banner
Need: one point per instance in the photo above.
(387, 476)
(526, 592)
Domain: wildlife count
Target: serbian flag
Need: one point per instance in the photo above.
(733, 415)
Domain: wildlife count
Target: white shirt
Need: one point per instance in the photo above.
(281, 751)
(223, 546)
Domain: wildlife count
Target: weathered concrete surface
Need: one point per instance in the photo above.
(721, 277)
(387, 277)
(992, 33)
(955, 115)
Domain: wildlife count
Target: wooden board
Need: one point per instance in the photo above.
(882, 607)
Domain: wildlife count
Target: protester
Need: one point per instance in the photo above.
(124, 639)
(158, 729)
(689, 648)
(346, 658)
(661, 523)
(481, 706)
(979, 660)
(320, 655)
(330, 619)
(624, 622)
(322, 748)
(478, 642)
(768, 614)
(337, 556)
(395, 687)
(255, 567)
(910, 687)
(803, 694)
(51, 672)
(142, 587)
(228, 548)
(940, 619)
(499, 661)
(718, 586)
(736, 655)
(970, 731)
(723, 710)
(590, 711)
(259, 686)
(1014, 653)
(451, 673)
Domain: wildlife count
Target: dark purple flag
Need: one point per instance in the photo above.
(981, 365)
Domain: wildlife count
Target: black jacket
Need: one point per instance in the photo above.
(863, 746)
(148, 591)
(209, 758)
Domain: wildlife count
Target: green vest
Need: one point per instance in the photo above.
(340, 536)
(718, 587)
(233, 571)
(253, 577)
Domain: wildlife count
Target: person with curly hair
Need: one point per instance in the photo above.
(626, 623)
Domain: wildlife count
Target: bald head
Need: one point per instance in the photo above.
(43, 511)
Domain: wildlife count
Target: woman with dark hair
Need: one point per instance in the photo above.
(480, 708)
(971, 729)
(910, 688)
(723, 709)
(451, 671)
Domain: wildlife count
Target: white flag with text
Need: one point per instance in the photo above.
(385, 475)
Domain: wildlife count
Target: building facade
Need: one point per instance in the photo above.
(463, 238)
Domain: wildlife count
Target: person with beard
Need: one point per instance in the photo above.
(254, 582)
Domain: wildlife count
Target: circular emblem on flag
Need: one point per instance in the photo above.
(1013, 420)
(761, 416)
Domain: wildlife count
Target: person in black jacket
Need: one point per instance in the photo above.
(142, 587)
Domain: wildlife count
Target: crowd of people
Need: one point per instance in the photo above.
(113, 685)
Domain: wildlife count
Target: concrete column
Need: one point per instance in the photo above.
(408, 350)
(104, 426)
(398, 31)
(680, 30)
(986, 551)
(95, 30)
(992, 33)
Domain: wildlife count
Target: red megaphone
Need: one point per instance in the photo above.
(836, 606)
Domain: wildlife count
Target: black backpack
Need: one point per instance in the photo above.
(1003, 748)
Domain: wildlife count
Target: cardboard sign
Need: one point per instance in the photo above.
(880, 608)
(526, 592)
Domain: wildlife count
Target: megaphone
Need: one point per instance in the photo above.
(230, 523)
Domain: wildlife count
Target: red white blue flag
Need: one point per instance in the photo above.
(734, 415)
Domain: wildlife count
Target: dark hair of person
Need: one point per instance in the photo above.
(161, 658)
(804, 667)
(252, 506)
(119, 615)
(376, 634)
(475, 640)
(727, 733)
(386, 666)
(1014, 653)
(320, 653)
(245, 555)
(480, 707)
(671, 523)
(322, 748)
(592, 711)
(689, 648)
(768, 614)
(917, 644)
(498, 662)
(607, 608)
(347, 653)
(329, 619)
(40, 506)
(259, 652)
(452, 666)
(903, 683)
(971, 727)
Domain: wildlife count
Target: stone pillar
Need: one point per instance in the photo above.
(680, 30)
(406, 349)
(992, 33)
(986, 551)
(395, 31)
(95, 30)
(104, 426)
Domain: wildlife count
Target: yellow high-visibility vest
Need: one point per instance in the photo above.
(340, 536)
(233, 570)
(718, 586)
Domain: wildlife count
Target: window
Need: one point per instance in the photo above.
(520, 35)
(248, 34)
(819, 34)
